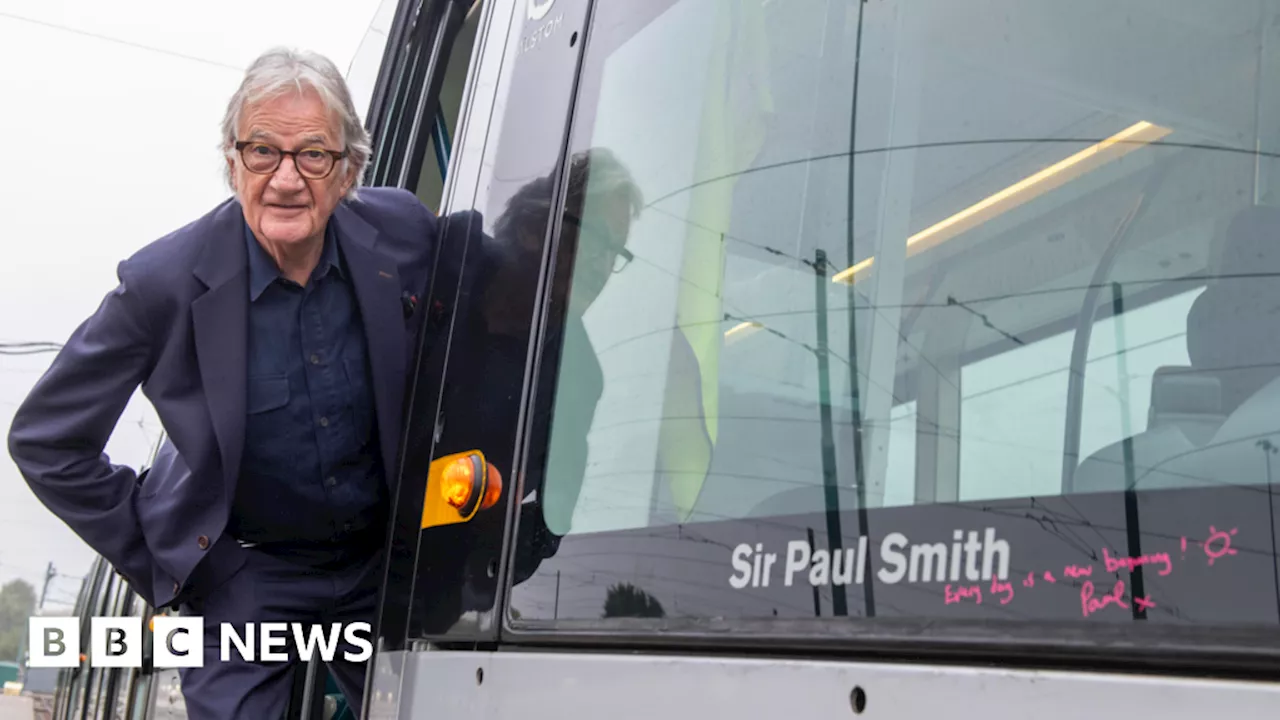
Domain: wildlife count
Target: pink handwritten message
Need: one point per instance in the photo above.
(998, 587)
(1131, 563)
(1221, 542)
(1075, 571)
(1092, 599)
(960, 593)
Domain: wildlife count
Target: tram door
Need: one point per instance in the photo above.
(496, 99)
(842, 329)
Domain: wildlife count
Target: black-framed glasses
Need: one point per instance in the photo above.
(313, 163)
(604, 242)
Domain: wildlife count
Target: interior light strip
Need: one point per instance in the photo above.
(1112, 148)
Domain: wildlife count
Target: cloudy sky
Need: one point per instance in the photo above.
(111, 130)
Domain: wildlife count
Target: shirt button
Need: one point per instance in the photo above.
(315, 359)
(203, 542)
(324, 422)
(330, 481)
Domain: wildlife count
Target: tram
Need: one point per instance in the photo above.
(145, 693)
(823, 359)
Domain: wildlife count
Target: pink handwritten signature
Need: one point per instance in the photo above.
(1090, 604)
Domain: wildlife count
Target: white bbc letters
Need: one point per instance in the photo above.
(178, 642)
(116, 641)
(53, 642)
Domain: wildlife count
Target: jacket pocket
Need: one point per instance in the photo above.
(267, 393)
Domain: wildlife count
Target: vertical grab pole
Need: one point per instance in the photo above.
(835, 539)
(1130, 492)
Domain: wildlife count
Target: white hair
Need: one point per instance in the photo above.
(593, 173)
(281, 69)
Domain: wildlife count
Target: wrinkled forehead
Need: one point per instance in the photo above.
(290, 117)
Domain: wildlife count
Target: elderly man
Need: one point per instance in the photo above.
(273, 337)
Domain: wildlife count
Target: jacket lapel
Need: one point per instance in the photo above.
(220, 324)
(377, 285)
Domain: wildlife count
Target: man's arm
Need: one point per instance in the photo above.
(59, 433)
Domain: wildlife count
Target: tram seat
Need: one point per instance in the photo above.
(1231, 327)
(1185, 412)
(1188, 400)
(1205, 420)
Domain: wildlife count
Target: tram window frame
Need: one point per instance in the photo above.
(97, 678)
(519, 629)
(113, 676)
(68, 676)
(431, 185)
(491, 133)
(129, 680)
(82, 675)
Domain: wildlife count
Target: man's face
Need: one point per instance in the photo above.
(284, 208)
(601, 237)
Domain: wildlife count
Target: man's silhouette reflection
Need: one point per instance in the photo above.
(601, 201)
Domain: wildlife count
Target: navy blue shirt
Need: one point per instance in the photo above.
(311, 472)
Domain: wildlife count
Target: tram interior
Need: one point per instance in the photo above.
(1079, 198)
(1176, 234)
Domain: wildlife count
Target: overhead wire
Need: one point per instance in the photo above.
(108, 38)
(29, 348)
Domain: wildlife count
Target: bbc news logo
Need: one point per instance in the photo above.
(178, 642)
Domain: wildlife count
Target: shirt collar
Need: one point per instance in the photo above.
(263, 270)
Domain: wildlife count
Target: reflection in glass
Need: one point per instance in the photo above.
(1006, 193)
(1050, 282)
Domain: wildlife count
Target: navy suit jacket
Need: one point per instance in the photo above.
(177, 325)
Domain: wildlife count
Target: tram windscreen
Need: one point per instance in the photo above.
(930, 309)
